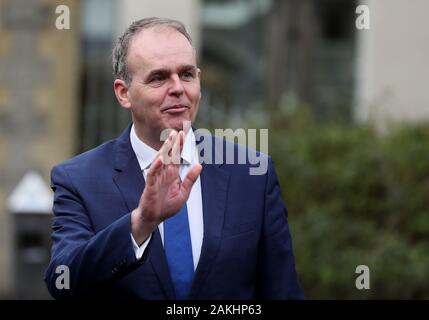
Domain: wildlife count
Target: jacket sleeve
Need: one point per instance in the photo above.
(92, 259)
(277, 278)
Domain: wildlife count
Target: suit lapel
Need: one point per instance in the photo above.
(159, 264)
(214, 186)
(130, 183)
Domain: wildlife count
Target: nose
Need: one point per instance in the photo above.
(176, 88)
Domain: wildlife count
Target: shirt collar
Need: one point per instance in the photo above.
(145, 154)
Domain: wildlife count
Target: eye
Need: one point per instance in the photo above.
(188, 75)
(157, 78)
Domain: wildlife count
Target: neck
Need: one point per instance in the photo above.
(153, 141)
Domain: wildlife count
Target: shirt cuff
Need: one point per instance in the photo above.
(139, 250)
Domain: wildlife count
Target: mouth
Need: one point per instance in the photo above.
(175, 109)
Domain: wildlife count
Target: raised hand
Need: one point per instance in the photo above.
(164, 194)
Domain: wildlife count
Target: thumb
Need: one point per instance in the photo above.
(191, 177)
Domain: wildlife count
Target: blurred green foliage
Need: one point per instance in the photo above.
(355, 197)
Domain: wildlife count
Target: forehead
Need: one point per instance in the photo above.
(160, 47)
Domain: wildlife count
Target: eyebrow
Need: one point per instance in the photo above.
(165, 71)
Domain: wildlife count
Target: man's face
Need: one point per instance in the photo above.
(165, 86)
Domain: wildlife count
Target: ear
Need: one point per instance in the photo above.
(199, 79)
(121, 92)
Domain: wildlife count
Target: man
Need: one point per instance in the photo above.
(140, 217)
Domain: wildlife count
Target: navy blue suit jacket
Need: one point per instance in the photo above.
(246, 251)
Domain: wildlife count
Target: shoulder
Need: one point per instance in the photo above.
(242, 152)
(232, 156)
(89, 159)
(90, 169)
(99, 159)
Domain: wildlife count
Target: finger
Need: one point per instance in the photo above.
(172, 173)
(169, 139)
(191, 177)
(154, 170)
(182, 140)
(175, 152)
(165, 149)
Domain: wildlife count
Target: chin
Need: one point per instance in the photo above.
(177, 124)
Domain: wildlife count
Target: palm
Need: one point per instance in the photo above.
(167, 189)
(164, 194)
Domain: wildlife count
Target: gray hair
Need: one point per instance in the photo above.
(120, 51)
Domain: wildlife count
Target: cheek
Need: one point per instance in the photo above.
(193, 93)
(148, 99)
(154, 96)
